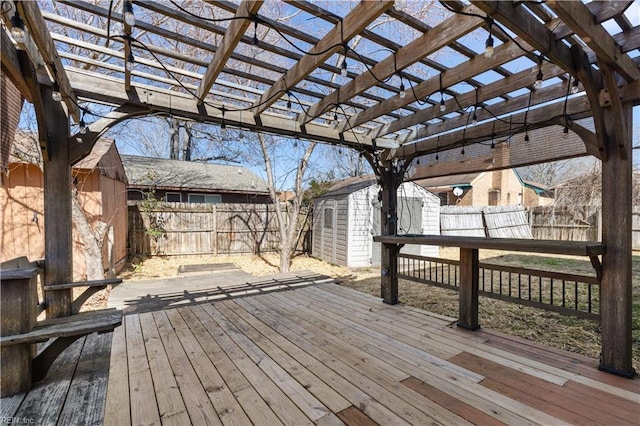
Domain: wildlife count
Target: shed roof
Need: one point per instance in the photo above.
(186, 175)
(349, 185)
(449, 181)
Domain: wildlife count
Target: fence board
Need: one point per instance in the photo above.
(507, 222)
(198, 228)
(461, 221)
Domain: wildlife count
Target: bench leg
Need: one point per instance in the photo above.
(469, 279)
(41, 363)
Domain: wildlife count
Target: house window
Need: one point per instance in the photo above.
(205, 198)
(328, 218)
(173, 197)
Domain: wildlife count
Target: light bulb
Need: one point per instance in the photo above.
(343, 71)
(241, 135)
(538, 84)
(83, 127)
(574, 87)
(255, 32)
(443, 107)
(437, 156)
(55, 94)
(129, 17)
(488, 50)
(474, 120)
(17, 28)
(565, 133)
(462, 152)
(403, 93)
(131, 61)
(526, 137)
(289, 105)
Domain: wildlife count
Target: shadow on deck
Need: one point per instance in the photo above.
(324, 354)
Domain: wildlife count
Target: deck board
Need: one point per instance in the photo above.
(318, 353)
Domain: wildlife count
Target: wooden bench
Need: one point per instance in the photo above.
(19, 331)
(93, 287)
(469, 260)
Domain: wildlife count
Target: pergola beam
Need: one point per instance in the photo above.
(577, 17)
(232, 37)
(111, 90)
(38, 30)
(352, 24)
(450, 29)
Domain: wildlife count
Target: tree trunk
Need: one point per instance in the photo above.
(92, 240)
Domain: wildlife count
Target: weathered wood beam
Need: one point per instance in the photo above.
(128, 30)
(30, 12)
(628, 40)
(232, 37)
(80, 145)
(57, 208)
(351, 25)
(451, 29)
(592, 87)
(581, 21)
(479, 64)
(618, 138)
(111, 90)
(517, 20)
(540, 117)
(11, 65)
(616, 314)
(522, 79)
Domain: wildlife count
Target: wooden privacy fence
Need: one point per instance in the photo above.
(199, 228)
(575, 223)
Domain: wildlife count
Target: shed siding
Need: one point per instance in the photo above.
(361, 226)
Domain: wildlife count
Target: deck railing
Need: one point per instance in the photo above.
(568, 294)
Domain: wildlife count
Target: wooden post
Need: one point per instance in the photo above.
(18, 305)
(57, 208)
(616, 295)
(469, 278)
(389, 216)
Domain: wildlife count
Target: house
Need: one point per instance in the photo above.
(347, 217)
(101, 184)
(191, 182)
(490, 188)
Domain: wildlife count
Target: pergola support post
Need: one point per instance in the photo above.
(389, 258)
(57, 207)
(616, 291)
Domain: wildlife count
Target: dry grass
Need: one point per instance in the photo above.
(563, 332)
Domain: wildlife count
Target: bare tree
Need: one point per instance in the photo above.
(287, 214)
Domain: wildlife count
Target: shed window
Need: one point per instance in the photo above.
(328, 218)
(205, 198)
(173, 197)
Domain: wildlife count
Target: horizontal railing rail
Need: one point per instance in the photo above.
(567, 294)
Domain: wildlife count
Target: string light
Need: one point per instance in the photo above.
(255, 32)
(443, 107)
(289, 101)
(574, 86)
(17, 28)
(526, 137)
(403, 92)
(131, 61)
(538, 84)
(129, 17)
(565, 132)
(223, 125)
(488, 45)
(55, 93)
(83, 125)
(474, 119)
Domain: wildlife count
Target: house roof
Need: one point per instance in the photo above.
(449, 181)
(349, 185)
(103, 157)
(186, 175)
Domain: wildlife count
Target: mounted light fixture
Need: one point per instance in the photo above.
(17, 28)
(129, 17)
(488, 45)
(55, 93)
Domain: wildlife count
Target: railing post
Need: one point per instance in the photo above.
(469, 280)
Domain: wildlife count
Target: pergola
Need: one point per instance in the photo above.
(469, 78)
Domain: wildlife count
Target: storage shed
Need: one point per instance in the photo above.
(347, 217)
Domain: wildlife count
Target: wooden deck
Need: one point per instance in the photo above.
(316, 353)
(325, 354)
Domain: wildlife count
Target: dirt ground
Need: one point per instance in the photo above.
(549, 328)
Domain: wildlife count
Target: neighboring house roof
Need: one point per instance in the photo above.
(104, 155)
(463, 180)
(187, 175)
